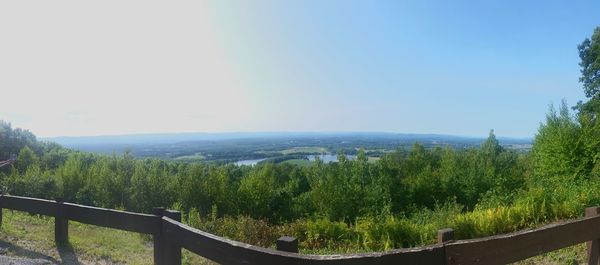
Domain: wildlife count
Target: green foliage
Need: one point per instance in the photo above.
(349, 205)
(243, 228)
(400, 200)
(324, 233)
(589, 53)
(34, 183)
(26, 159)
(558, 146)
(150, 186)
(258, 191)
(590, 139)
(12, 141)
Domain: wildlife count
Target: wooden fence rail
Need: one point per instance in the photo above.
(170, 236)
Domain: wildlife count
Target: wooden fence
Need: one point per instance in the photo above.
(170, 236)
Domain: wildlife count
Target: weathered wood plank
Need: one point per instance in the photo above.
(158, 239)
(507, 248)
(445, 235)
(165, 252)
(61, 224)
(287, 243)
(225, 251)
(593, 247)
(30, 205)
(128, 221)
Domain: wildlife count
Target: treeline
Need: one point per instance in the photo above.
(335, 206)
(350, 205)
(18, 141)
(401, 182)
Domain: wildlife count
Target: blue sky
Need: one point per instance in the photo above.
(453, 67)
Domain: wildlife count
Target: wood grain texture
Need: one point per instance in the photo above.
(128, 221)
(30, 205)
(593, 247)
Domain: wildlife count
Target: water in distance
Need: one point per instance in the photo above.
(249, 162)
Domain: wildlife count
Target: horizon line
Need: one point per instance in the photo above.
(279, 132)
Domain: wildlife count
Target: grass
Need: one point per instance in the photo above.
(567, 256)
(32, 236)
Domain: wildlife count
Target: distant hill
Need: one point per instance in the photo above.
(170, 138)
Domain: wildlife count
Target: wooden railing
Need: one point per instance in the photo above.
(170, 236)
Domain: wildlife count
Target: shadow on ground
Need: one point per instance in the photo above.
(65, 251)
(67, 254)
(24, 253)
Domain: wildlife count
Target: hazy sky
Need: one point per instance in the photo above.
(455, 67)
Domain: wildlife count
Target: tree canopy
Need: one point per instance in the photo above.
(589, 53)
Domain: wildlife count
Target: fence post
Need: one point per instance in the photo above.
(287, 243)
(172, 252)
(61, 224)
(157, 238)
(445, 235)
(165, 253)
(593, 247)
(1, 198)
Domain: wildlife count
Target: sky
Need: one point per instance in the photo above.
(74, 68)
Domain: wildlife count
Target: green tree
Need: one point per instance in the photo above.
(13, 140)
(72, 176)
(589, 53)
(149, 186)
(257, 190)
(558, 147)
(26, 159)
(491, 147)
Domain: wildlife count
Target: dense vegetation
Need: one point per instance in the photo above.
(350, 205)
(342, 194)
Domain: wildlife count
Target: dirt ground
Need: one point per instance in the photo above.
(22, 252)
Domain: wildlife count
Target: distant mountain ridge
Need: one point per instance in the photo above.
(171, 138)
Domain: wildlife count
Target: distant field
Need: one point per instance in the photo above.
(312, 149)
(373, 159)
(299, 162)
(195, 157)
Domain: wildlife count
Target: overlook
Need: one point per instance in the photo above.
(299, 132)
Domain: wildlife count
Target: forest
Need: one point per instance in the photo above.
(400, 200)
(276, 146)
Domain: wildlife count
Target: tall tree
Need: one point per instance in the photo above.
(26, 159)
(558, 148)
(589, 53)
